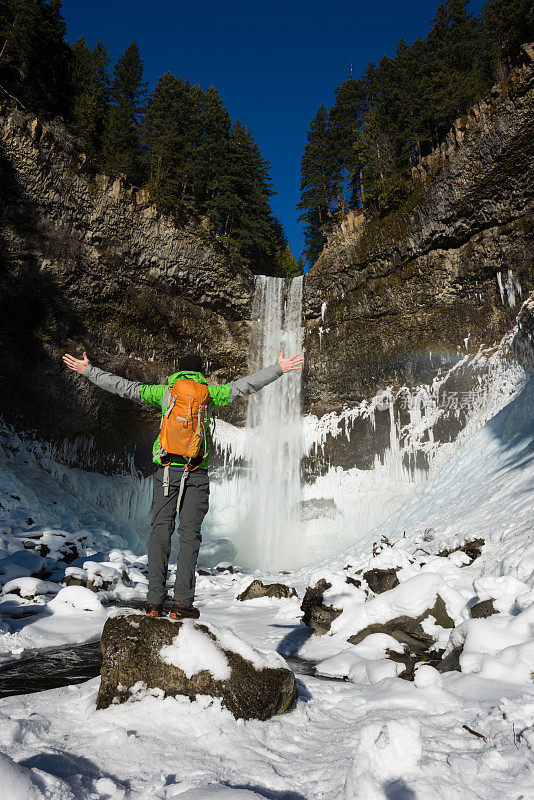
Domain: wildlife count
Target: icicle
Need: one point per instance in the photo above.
(501, 288)
(512, 287)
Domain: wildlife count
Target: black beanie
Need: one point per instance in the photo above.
(190, 363)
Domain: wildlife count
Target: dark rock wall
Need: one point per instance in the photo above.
(87, 262)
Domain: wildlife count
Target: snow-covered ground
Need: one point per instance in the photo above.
(372, 736)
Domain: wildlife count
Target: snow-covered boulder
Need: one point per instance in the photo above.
(417, 612)
(95, 576)
(483, 609)
(75, 576)
(21, 564)
(78, 598)
(30, 587)
(191, 658)
(500, 647)
(258, 589)
(368, 662)
(101, 577)
(58, 544)
(381, 580)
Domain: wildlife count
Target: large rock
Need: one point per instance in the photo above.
(258, 589)
(190, 658)
(408, 630)
(381, 580)
(451, 661)
(472, 550)
(483, 609)
(316, 615)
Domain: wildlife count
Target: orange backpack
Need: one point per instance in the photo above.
(182, 426)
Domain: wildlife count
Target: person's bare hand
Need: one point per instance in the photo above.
(76, 364)
(289, 364)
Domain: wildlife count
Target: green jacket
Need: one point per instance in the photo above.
(157, 394)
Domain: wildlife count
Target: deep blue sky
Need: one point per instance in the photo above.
(272, 63)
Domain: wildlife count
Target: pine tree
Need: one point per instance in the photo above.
(346, 118)
(466, 57)
(172, 135)
(319, 168)
(402, 105)
(456, 63)
(91, 95)
(507, 24)
(121, 151)
(213, 150)
(34, 58)
(244, 210)
(284, 264)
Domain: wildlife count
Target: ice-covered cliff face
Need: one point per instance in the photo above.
(88, 262)
(394, 301)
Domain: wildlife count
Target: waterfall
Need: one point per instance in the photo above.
(275, 444)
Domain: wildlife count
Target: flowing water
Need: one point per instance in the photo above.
(274, 446)
(55, 667)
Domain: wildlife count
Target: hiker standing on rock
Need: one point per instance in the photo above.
(181, 453)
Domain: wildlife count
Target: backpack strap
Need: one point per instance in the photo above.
(182, 487)
(166, 480)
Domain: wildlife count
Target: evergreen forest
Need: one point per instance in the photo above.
(360, 152)
(178, 141)
(198, 164)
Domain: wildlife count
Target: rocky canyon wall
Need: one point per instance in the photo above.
(396, 301)
(407, 306)
(89, 263)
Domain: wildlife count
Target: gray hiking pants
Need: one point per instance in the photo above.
(193, 508)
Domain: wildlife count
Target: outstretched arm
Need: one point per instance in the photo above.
(289, 364)
(253, 383)
(105, 380)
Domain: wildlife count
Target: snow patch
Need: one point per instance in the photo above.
(193, 651)
(78, 598)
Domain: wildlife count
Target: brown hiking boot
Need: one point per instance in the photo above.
(153, 610)
(179, 611)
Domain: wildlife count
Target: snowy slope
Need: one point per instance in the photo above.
(486, 489)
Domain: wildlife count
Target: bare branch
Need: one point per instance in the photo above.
(16, 99)
(475, 733)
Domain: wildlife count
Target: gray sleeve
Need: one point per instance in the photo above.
(253, 383)
(112, 383)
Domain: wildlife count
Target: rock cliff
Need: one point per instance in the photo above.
(88, 262)
(396, 301)
(402, 293)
